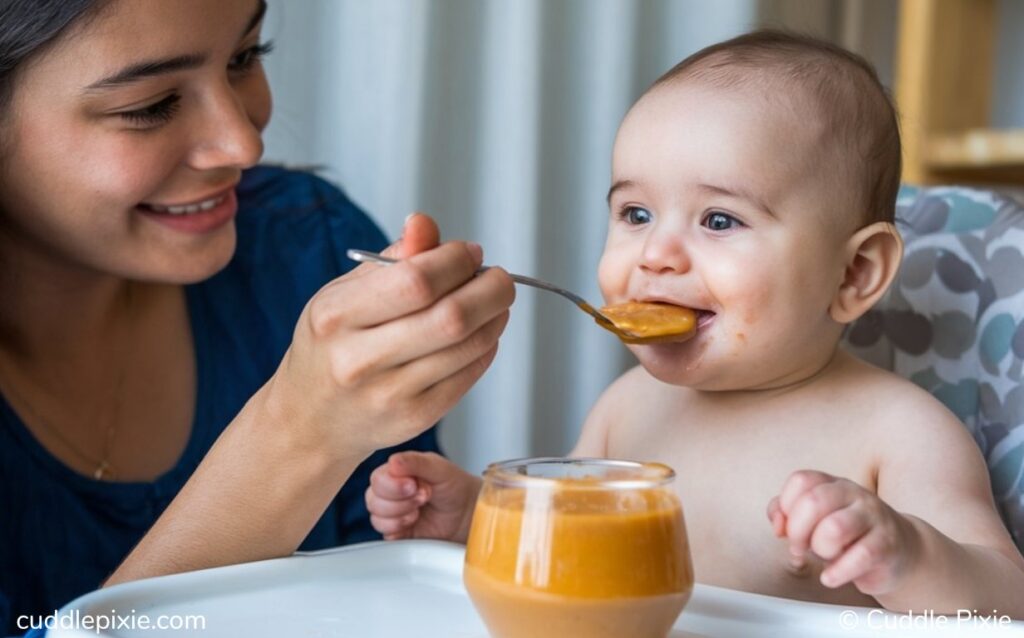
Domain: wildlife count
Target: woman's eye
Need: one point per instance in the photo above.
(721, 221)
(635, 215)
(155, 114)
(248, 58)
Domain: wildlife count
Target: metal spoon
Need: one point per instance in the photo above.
(581, 303)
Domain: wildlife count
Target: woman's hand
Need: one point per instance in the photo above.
(381, 353)
(378, 356)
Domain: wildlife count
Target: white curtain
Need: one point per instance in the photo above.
(497, 117)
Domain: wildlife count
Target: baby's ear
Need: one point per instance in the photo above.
(873, 256)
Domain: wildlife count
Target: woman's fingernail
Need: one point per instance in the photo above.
(409, 489)
(476, 250)
(408, 217)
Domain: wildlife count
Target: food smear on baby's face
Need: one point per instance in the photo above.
(651, 322)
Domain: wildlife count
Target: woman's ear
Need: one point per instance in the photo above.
(873, 256)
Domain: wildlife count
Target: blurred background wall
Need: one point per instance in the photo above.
(497, 117)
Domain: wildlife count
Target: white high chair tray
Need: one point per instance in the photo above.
(414, 589)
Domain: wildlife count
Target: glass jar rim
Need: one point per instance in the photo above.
(511, 473)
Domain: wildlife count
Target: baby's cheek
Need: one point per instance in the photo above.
(613, 275)
(750, 328)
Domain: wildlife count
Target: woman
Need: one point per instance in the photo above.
(188, 377)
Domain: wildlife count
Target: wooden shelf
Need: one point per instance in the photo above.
(944, 74)
(975, 148)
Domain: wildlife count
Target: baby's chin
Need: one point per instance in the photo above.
(674, 363)
(700, 378)
(694, 364)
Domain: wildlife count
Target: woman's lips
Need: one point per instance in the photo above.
(187, 209)
(200, 216)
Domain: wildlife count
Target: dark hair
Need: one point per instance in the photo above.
(27, 27)
(843, 89)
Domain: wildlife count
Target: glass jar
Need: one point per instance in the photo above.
(587, 548)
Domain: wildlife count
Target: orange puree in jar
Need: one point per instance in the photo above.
(575, 560)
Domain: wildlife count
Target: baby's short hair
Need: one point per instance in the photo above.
(842, 88)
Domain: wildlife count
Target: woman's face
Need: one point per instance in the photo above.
(125, 139)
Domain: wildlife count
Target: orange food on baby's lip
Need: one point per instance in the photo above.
(652, 321)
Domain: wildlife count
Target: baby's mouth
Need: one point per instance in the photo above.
(704, 317)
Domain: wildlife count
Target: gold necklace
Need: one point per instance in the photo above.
(104, 468)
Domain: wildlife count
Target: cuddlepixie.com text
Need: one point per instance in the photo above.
(113, 621)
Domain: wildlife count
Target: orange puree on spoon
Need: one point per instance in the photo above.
(643, 322)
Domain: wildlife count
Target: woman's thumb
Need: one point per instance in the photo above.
(420, 233)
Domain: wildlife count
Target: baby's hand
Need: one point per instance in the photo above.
(860, 538)
(421, 495)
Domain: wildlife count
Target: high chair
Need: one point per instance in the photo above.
(953, 322)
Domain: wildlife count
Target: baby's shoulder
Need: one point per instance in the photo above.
(893, 410)
(635, 396)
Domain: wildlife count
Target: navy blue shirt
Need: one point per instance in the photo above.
(61, 533)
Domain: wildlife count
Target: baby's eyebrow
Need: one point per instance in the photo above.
(738, 193)
(622, 183)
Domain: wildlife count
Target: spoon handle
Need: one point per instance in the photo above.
(367, 256)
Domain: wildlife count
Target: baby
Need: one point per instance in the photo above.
(755, 182)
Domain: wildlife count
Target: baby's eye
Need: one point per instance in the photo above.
(720, 221)
(635, 215)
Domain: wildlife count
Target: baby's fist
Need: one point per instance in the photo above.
(859, 537)
(421, 495)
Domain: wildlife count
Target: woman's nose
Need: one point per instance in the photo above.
(665, 252)
(228, 137)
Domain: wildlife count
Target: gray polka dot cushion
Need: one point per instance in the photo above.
(953, 322)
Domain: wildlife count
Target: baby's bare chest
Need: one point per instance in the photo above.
(725, 480)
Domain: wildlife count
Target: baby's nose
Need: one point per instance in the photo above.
(665, 253)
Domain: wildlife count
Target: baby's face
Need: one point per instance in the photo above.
(723, 202)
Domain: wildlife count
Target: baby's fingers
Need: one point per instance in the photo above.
(395, 528)
(776, 517)
(866, 554)
(837, 531)
(798, 484)
(385, 484)
(809, 510)
(387, 508)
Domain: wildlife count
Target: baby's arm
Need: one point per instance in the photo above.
(930, 539)
(421, 495)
